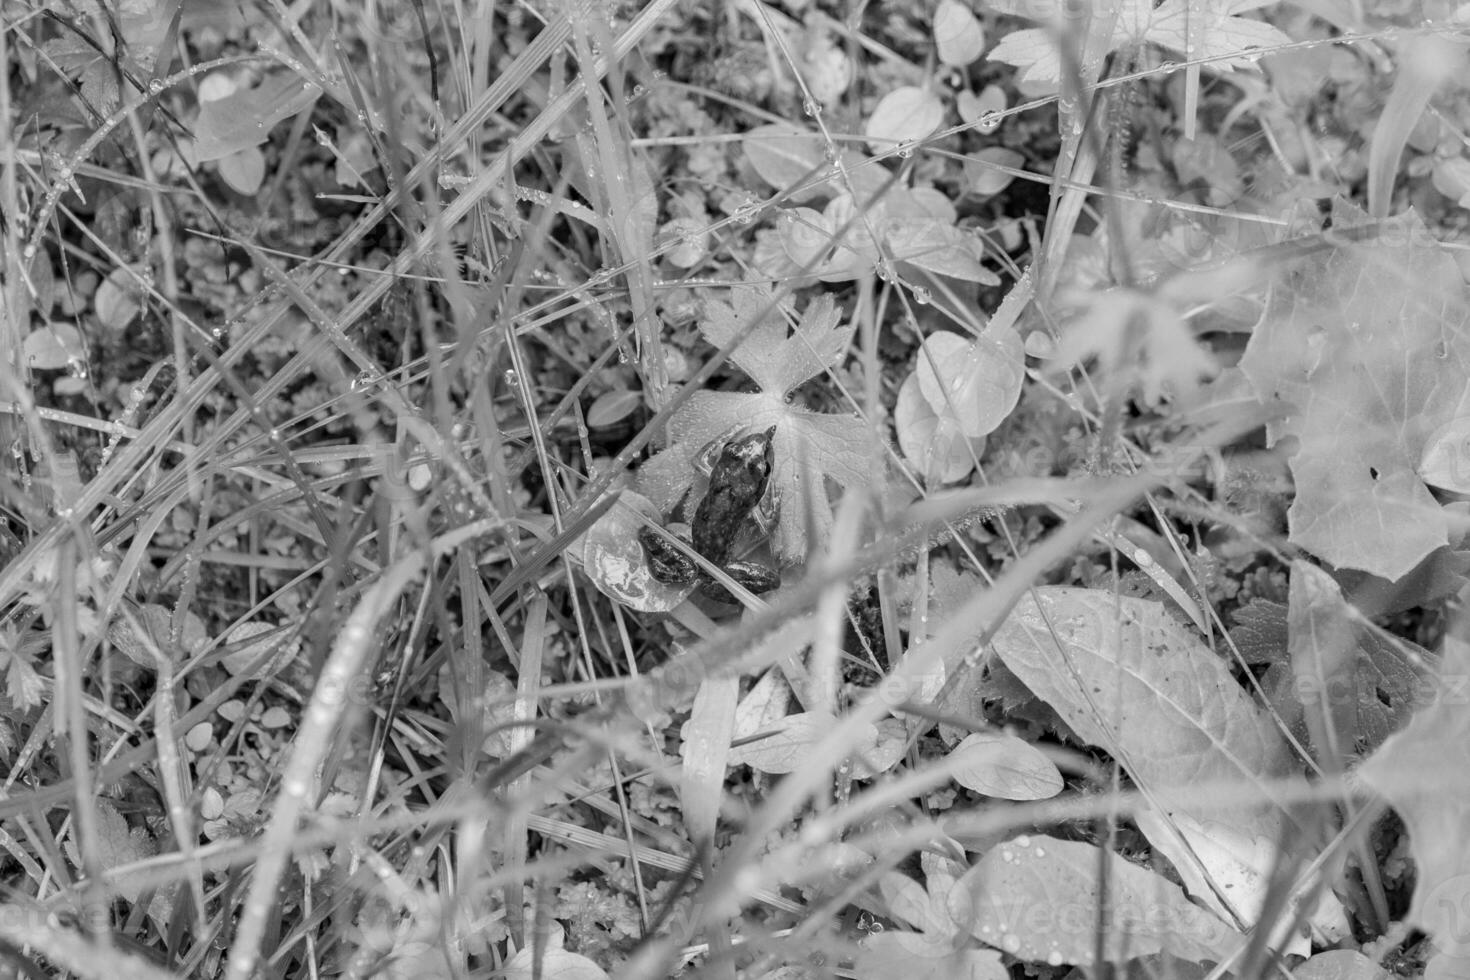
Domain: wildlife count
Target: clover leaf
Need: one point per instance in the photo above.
(810, 448)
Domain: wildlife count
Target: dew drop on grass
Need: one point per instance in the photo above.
(810, 108)
(512, 378)
(921, 295)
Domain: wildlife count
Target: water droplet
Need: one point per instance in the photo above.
(1008, 856)
(156, 86)
(921, 295)
(512, 377)
(988, 123)
(1054, 958)
(1023, 841)
(906, 149)
(1010, 942)
(810, 108)
(1040, 852)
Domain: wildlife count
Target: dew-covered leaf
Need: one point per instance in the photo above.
(1037, 898)
(781, 747)
(614, 558)
(1126, 677)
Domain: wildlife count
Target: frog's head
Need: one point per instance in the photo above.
(752, 454)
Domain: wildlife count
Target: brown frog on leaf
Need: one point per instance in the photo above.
(737, 485)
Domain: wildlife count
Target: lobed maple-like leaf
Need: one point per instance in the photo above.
(810, 448)
(1366, 349)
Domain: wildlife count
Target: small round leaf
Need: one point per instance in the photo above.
(957, 34)
(976, 382)
(905, 114)
(53, 347)
(934, 444)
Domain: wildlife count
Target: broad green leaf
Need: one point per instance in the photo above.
(1126, 677)
(1365, 348)
(1005, 767)
(1037, 898)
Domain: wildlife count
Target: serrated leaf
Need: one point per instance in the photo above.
(1182, 26)
(1003, 766)
(1037, 898)
(809, 448)
(1366, 349)
(1126, 677)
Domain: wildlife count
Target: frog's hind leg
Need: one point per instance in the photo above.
(667, 563)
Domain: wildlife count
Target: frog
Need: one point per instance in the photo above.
(738, 480)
